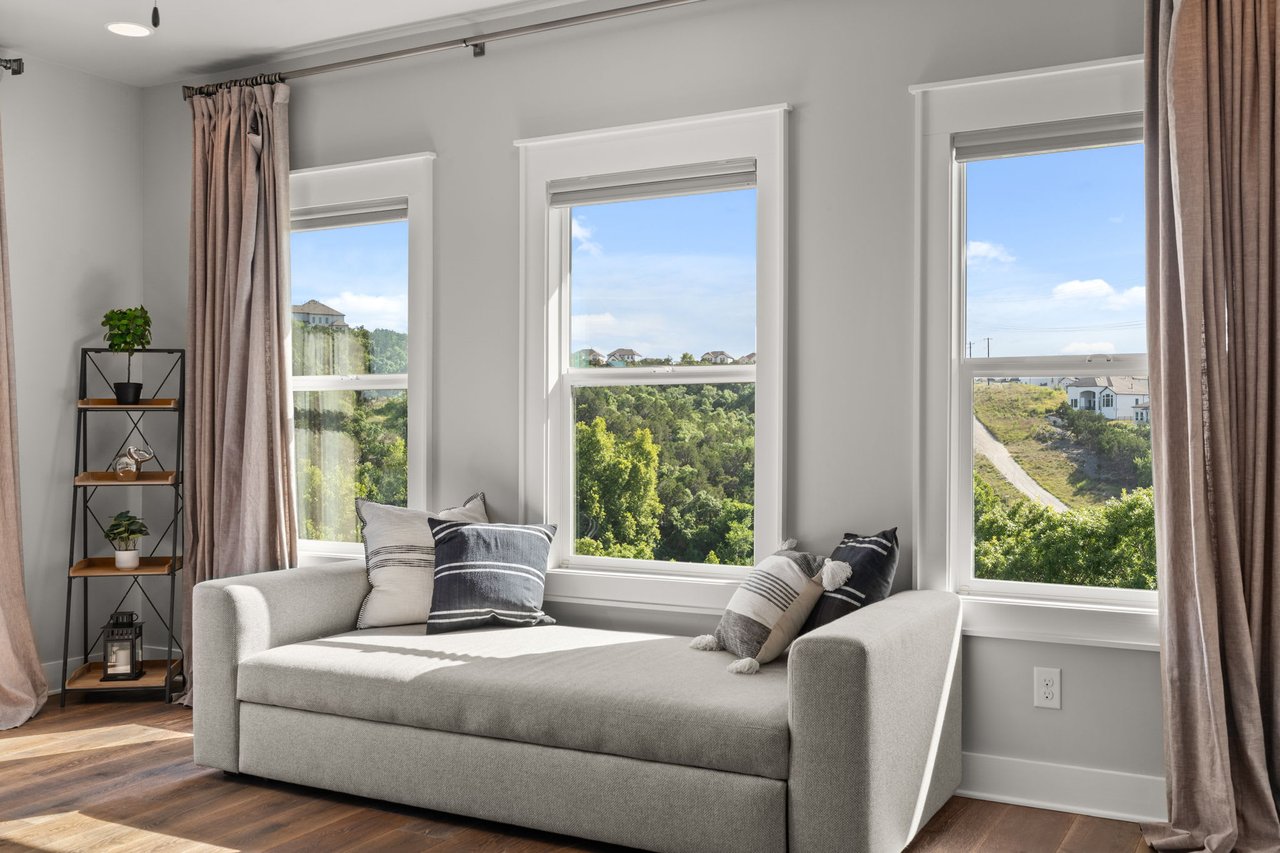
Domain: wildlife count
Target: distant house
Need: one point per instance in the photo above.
(623, 357)
(749, 358)
(718, 356)
(313, 313)
(1117, 398)
(588, 358)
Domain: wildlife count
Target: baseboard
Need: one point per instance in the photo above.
(1065, 788)
(53, 668)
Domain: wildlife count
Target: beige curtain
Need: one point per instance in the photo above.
(1214, 335)
(239, 512)
(22, 684)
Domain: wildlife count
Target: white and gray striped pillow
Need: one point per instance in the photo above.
(766, 612)
(489, 574)
(399, 553)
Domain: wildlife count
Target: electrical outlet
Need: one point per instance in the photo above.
(1048, 687)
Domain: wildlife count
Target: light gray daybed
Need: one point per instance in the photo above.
(848, 744)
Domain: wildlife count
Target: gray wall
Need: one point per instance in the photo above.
(845, 66)
(73, 194)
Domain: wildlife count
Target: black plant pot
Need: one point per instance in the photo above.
(128, 393)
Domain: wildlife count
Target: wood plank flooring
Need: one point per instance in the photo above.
(118, 776)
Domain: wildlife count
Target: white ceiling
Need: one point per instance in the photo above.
(197, 37)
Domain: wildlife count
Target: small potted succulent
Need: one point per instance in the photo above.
(123, 533)
(128, 330)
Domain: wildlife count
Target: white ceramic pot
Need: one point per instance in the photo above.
(127, 559)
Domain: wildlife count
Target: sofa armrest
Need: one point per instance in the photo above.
(875, 724)
(233, 618)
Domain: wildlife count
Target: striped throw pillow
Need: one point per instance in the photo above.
(872, 560)
(400, 558)
(489, 574)
(766, 612)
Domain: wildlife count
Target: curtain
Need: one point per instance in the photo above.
(239, 515)
(23, 689)
(1214, 337)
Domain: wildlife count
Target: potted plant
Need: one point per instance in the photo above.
(128, 329)
(123, 534)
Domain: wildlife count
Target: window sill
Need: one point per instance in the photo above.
(313, 552)
(1053, 622)
(696, 594)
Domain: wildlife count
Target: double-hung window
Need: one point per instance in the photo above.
(653, 346)
(1036, 475)
(360, 281)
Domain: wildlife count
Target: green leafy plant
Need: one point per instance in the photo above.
(125, 530)
(128, 329)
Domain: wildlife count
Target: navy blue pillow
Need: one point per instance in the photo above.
(874, 559)
(488, 574)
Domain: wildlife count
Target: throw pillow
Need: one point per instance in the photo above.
(489, 574)
(873, 560)
(399, 555)
(766, 612)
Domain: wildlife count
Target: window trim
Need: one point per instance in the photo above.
(362, 186)
(545, 477)
(1081, 94)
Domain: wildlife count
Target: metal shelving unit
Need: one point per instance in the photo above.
(161, 674)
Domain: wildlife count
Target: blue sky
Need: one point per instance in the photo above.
(362, 271)
(666, 276)
(1056, 253)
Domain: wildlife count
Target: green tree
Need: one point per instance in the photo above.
(618, 506)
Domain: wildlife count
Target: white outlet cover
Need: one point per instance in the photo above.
(1047, 687)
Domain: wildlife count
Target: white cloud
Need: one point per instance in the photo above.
(372, 312)
(979, 250)
(1089, 348)
(1098, 290)
(582, 236)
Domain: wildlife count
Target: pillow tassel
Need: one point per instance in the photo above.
(706, 643)
(789, 545)
(745, 666)
(835, 573)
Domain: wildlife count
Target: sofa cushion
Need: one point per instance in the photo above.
(643, 696)
(489, 574)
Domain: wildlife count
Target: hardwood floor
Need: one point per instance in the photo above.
(118, 776)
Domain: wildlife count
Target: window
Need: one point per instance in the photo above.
(360, 287)
(1036, 467)
(653, 295)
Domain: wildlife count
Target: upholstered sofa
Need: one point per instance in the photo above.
(849, 743)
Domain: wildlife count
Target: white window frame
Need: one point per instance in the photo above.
(546, 449)
(401, 182)
(943, 512)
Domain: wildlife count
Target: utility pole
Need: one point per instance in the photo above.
(970, 349)
(988, 340)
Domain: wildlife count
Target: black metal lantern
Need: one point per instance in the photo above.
(122, 647)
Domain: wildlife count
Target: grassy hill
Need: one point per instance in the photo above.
(1069, 454)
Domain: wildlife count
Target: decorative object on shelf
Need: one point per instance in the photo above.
(128, 330)
(123, 534)
(126, 464)
(122, 647)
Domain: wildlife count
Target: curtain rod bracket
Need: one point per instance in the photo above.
(477, 48)
(13, 66)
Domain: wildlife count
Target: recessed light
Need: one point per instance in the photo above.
(125, 28)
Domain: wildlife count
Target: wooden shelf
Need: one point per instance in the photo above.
(108, 478)
(105, 567)
(108, 404)
(89, 677)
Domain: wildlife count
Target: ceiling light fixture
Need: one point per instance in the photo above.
(130, 30)
(155, 15)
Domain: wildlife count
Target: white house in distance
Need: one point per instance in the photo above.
(717, 356)
(313, 313)
(588, 358)
(749, 358)
(1117, 398)
(623, 357)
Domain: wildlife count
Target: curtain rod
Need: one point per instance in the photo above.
(13, 66)
(476, 43)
